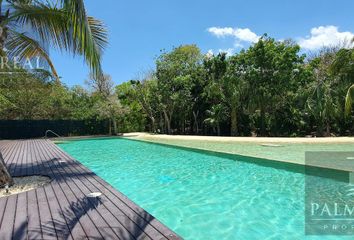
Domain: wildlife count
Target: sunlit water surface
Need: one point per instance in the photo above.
(201, 195)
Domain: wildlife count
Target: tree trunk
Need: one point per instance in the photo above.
(5, 177)
(153, 130)
(168, 122)
(162, 124)
(183, 126)
(234, 131)
(196, 125)
(320, 128)
(3, 31)
(114, 121)
(263, 127)
(2, 40)
(328, 130)
(109, 127)
(218, 129)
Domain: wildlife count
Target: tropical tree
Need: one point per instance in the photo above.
(144, 91)
(235, 85)
(5, 177)
(198, 103)
(107, 105)
(174, 72)
(135, 119)
(216, 115)
(27, 27)
(81, 103)
(349, 101)
(23, 96)
(110, 108)
(270, 66)
(323, 91)
(102, 85)
(214, 92)
(343, 65)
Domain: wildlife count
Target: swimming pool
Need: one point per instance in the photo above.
(290, 152)
(202, 195)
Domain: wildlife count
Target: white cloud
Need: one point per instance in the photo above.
(240, 34)
(246, 35)
(324, 36)
(229, 51)
(210, 53)
(221, 32)
(238, 45)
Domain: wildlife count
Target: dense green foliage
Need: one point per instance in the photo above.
(26, 96)
(27, 28)
(270, 89)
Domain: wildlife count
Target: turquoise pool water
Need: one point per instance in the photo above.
(199, 195)
(294, 152)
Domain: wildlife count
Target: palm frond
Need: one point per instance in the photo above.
(48, 22)
(349, 101)
(24, 47)
(90, 34)
(99, 32)
(66, 27)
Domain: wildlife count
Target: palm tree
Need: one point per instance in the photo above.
(5, 177)
(63, 24)
(349, 101)
(343, 65)
(216, 114)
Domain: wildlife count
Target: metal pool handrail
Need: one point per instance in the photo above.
(50, 131)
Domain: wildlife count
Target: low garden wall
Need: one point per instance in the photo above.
(25, 129)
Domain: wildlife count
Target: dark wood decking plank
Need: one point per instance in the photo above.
(21, 221)
(7, 226)
(89, 205)
(9, 203)
(4, 145)
(110, 227)
(34, 224)
(70, 215)
(118, 221)
(61, 209)
(75, 205)
(31, 167)
(133, 222)
(9, 155)
(58, 223)
(6, 148)
(141, 218)
(23, 159)
(45, 215)
(3, 202)
(27, 170)
(17, 160)
(58, 220)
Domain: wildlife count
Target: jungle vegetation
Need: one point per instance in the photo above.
(270, 89)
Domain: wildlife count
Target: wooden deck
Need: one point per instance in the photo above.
(61, 209)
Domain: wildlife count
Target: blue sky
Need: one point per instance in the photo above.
(138, 30)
